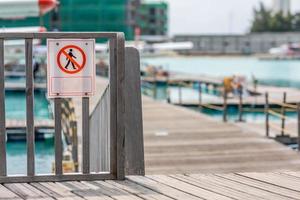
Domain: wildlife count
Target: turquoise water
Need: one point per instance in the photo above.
(15, 105)
(279, 73)
(282, 73)
(16, 157)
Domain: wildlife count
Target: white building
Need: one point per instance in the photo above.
(283, 6)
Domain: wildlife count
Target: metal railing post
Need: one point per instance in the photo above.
(283, 114)
(267, 114)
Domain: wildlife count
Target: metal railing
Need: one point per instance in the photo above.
(116, 109)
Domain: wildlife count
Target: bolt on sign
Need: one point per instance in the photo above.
(70, 67)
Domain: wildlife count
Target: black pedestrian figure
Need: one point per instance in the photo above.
(69, 61)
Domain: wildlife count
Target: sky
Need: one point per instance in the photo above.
(214, 16)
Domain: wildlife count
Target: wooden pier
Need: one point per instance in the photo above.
(179, 140)
(241, 186)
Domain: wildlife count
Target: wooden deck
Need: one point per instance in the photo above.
(243, 186)
(179, 140)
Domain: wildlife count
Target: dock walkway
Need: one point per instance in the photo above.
(179, 140)
(272, 186)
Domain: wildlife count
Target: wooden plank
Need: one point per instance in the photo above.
(162, 188)
(188, 188)
(274, 189)
(138, 190)
(87, 190)
(7, 194)
(215, 187)
(46, 190)
(114, 192)
(113, 104)
(60, 190)
(58, 136)
(85, 136)
(26, 191)
(59, 35)
(232, 186)
(29, 108)
(275, 179)
(3, 168)
(120, 65)
(134, 142)
(58, 178)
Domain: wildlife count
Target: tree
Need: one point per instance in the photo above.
(281, 23)
(262, 19)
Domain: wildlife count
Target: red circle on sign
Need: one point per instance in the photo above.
(79, 67)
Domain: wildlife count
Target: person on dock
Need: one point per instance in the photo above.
(228, 84)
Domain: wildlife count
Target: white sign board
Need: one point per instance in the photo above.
(70, 67)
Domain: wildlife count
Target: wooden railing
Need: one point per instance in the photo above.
(116, 113)
(281, 115)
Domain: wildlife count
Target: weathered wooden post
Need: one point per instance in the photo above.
(283, 114)
(168, 91)
(179, 94)
(298, 111)
(155, 87)
(225, 106)
(267, 114)
(200, 95)
(240, 104)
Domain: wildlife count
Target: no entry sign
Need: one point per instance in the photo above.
(70, 67)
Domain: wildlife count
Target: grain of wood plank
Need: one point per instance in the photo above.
(262, 185)
(7, 194)
(26, 191)
(217, 188)
(61, 190)
(162, 188)
(188, 188)
(114, 192)
(138, 190)
(275, 179)
(86, 191)
(241, 188)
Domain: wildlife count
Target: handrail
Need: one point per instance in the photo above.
(213, 107)
(272, 125)
(283, 104)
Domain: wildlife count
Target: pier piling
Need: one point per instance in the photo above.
(267, 114)
(283, 114)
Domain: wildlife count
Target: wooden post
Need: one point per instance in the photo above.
(283, 114)
(155, 87)
(168, 91)
(240, 104)
(200, 95)
(298, 110)
(225, 107)
(267, 114)
(179, 94)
